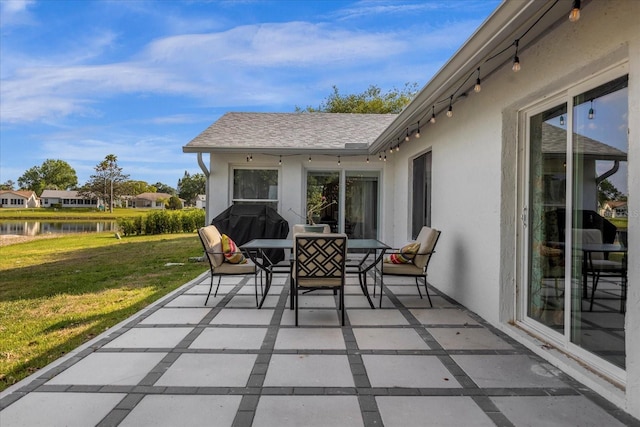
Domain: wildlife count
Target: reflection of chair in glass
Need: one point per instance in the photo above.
(319, 263)
(212, 243)
(598, 265)
(427, 238)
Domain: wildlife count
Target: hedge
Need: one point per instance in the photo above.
(163, 222)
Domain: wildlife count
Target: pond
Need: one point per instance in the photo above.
(35, 228)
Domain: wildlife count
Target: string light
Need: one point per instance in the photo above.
(385, 156)
(397, 147)
(433, 114)
(280, 161)
(418, 133)
(406, 138)
(561, 120)
(574, 15)
(338, 160)
(516, 60)
(477, 88)
(591, 112)
(380, 156)
(247, 158)
(450, 110)
(309, 159)
(367, 159)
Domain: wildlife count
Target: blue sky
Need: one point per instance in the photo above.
(139, 79)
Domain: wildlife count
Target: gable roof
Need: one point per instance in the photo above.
(22, 193)
(321, 133)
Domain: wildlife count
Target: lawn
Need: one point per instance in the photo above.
(58, 293)
(70, 213)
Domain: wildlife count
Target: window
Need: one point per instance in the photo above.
(253, 186)
(421, 209)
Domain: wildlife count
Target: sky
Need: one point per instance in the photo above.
(80, 80)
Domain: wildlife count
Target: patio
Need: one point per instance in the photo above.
(230, 364)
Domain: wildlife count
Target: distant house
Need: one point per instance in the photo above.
(614, 209)
(67, 199)
(150, 200)
(18, 199)
(201, 201)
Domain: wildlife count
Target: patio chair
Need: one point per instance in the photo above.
(417, 266)
(319, 263)
(212, 242)
(598, 265)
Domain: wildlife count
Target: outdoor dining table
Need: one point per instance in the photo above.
(372, 249)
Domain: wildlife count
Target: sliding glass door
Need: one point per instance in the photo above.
(574, 220)
(353, 198)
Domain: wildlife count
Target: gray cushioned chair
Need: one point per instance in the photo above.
(428, 237)
(212, 242)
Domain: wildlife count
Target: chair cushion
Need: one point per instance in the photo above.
(402, 269)
(427, 238)
(405, 255)
(212, 241)
(228, 268)
(231, 252)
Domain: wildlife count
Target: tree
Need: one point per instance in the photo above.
(133, 188)
(164, 188)
(190, 186)
(52, 174)
(608, 191)
(107, 182)
(174, 203)
(371, 101)
(8, 185)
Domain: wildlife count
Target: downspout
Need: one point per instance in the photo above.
(607, 174)
(205, 171)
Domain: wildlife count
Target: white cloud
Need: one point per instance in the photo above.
(15, 12)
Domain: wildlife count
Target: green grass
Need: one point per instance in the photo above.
(69, 213)
(58, 293)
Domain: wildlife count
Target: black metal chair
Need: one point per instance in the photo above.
(212, 243)
(428, 238)
(319, 263)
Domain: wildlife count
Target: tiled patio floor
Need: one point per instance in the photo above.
(179, 363)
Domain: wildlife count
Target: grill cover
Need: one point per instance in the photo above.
(245, 222)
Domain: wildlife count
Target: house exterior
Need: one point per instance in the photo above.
(614, 209)
(508, 171)
(18, 199)
(67, 199)
(150, 200)
(201, 200)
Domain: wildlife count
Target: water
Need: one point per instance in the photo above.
(35, 228)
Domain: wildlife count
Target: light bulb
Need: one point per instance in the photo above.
(574, 15)
(367, 159)
(398, 147)
(450, 111)
(338, 160)
(477, 88)
(516, 64)
(433, 118)
(309, 159)
(280, 161)
(561, 120)
(591, 110)
(418, 133)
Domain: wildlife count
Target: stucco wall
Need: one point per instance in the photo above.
(475, 170)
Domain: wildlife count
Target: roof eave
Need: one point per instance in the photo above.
(499, 29)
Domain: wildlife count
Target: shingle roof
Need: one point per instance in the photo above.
(24, 193)
(59, 194)
(153, 196)
(281, 132)
(554, 142)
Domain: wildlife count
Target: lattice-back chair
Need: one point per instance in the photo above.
(319, 263)
(414, 263)
(212, 242)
